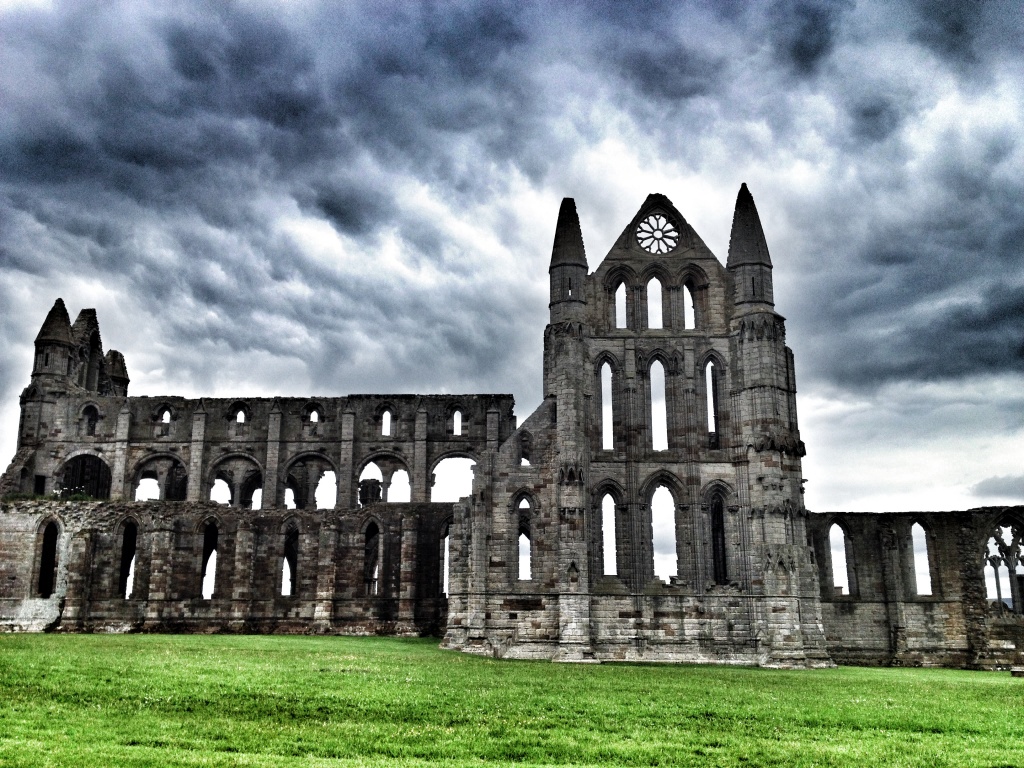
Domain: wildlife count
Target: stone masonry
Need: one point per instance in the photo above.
(666, 375)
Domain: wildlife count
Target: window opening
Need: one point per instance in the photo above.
(457, 423)
(289, 498)
(221, 492)
(326, 494)
(608, 535)
(654, 304)
(148, 490)
(385, 424)
(445, 561)
(240, 417)
(1004, 570)
(620, 306)
(689, 316)
(400, 490)
(257, 499)
(371, 559)
(663, 527)
(165, 417)
(126, 576)
(922, 571)
(48, 561)
(659, 410)
(209, 571)
(607, 414)
(314, 417)
(840, 568)
(290, 563)
(92, 416)
(453, 480)
(718, 552)
(711, 389)
(524, 546)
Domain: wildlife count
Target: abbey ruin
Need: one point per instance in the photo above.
(666, 376)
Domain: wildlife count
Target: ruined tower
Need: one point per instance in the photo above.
(669, 392)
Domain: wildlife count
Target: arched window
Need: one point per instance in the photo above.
(453, 479)
(659, 410)
(922, 569)
(209, 562)
(654, 304)
(719, 568)
(689, 316)
(290, 564)
(90, 417)
(524, 548)
(126, 575)
(221, 491)
(371, 560)
(663, 528)
(149, 488)
(838, 548)
(48, 561)
(326, 493)
(608, 535)
(385, 424)
(607, 409)
(620, 306)
(445, 556)
(240, 417)
(165, 417)
(457, 423)
(711, 377)
(400, 490)
(314, 417)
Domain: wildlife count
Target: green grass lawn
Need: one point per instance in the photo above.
(134, 700)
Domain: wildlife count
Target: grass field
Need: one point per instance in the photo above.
(161, 700)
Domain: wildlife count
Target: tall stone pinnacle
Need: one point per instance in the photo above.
(57, 325)
(568, 247)
(746, 242)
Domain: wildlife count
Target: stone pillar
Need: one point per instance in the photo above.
(195, 464)
(407, 576)
(78, 572)
(493, 429)
(241, 581)
(326, 573)
(119, 469)
(271, 475)
(346, 498)
(420, 480)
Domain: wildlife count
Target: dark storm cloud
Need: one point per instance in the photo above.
(171, 160)
(1000, 486)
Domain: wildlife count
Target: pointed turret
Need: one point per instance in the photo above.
(568, 270)
(117, 370)
(54, 344)
(748, 254)
(57, 326)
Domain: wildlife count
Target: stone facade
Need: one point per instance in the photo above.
(666, 375)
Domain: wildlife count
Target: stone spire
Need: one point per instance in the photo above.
(57, 326)
(568, 247)
(746, 243)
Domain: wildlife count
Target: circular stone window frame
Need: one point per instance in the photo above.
(657, 234)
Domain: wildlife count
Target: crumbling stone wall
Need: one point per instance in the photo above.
(881, 620)
(331, 593)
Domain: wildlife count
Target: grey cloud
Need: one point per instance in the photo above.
(804, 32)
(1001, 486)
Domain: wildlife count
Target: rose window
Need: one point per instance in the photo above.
(657, 234)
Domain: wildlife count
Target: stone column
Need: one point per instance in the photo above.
(326, 573)
(346, 498)
(420, 479)
(79, 576)
(195, 464)
(271, 475)
(407, 576)
(117, 474)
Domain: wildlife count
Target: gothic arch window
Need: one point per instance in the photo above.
(841, 556)
(621, 320)
(712, 394)
(607, 406)
(47, 580)
(444, 558)
(719, 563)
(208, 571)
(655, 304)
(386, 427)
(86, 474)
(689, 313)
(921, 561)
(658, 406)
(129, 553)
(609, 566)
(372, 545)
(457, 422)
(290, 563)
(524, 546)
(1004, 568)
(662, 507)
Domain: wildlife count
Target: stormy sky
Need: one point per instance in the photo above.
(305, 198)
